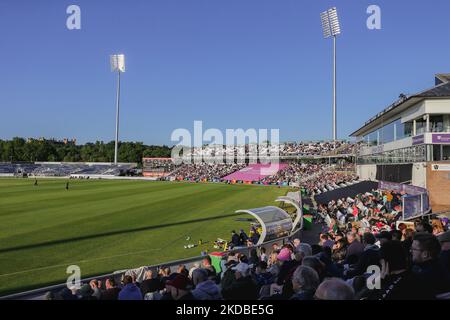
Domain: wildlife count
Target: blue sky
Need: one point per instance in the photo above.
(232, 64)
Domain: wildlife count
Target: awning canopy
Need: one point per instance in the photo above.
(275, 222)
(298, 217)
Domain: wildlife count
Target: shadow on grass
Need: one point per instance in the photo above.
(113, 233)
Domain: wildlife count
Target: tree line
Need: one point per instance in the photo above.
(31, 150)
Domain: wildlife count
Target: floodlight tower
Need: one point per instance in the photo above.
(117, 65)
(331, 27)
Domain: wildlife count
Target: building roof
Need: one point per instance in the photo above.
(442, 89)
(442, 77)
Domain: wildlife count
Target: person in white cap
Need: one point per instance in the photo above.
(243, 287)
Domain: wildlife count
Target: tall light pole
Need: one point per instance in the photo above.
(117, 65)
(331, 27)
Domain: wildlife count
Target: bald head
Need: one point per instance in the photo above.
(335, 289)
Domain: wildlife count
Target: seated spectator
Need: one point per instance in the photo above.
(86, 293)
(305, 249)
(383, 237)
(397, 281)
(339, 251)
(262, 277)
(359, 284)
(64, 294)
(235, 239)
(408, 236)
(228, 275)
(129, 291)
(316, 249)
(177, 288)
(191, 270)
(254, 259)
(423, 226)
(242, 258)
(444, 257)
(96, 288)
(274, 264)
(396, 235)
(263, 256)
(369, 257)
(205, 289)
(206, 264)
(296, 242)
(112, 291)
(354, 249)
(325, 241)
(437, 226)
(304, 283)
(243, 287)
(151, 284)
(254, 237)
(242, 237)
(425, 252)
(182, 270)
(164, 273)
(287, 264)
(334, 289)
(316, 265)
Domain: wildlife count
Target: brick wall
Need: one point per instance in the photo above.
(438, 185)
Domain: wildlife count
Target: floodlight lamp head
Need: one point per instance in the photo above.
(330, 23)
(334, 22)
(118, 62)
(325, 24)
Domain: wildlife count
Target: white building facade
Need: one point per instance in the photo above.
(409, 140)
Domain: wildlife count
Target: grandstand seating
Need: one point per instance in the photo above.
(64, 169)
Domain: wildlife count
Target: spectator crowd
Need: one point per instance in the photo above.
(317, 148)
(299, 149)
(205, 171)
(314, 178)
(361, 235)
(413, 263)
(164, 165)
(327, 180)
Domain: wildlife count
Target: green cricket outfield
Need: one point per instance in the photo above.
(108, 225)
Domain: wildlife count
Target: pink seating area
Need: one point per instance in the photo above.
(255, 172)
